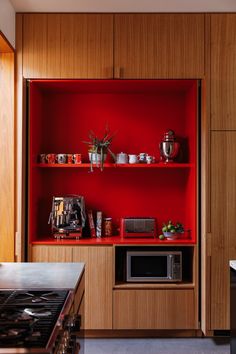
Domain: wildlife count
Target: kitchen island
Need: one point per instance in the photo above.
(41, 276)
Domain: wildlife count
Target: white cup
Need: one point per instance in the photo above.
(133, 158)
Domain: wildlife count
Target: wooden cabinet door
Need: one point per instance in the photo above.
(98, 284)
(68, 46)
(223, 71)
(154, 309)
(51, 253)
(223, 206)
(159, 45)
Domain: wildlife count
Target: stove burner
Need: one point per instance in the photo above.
(14, 316)
(36, 296)
(38, 312)
(28, 318)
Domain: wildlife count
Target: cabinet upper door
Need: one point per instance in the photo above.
(223, 71)
(68, 46)
(159, 45)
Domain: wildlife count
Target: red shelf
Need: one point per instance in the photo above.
(61, 114)
(114, 165)
(114, 240)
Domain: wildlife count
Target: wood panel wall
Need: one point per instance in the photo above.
(7, 154)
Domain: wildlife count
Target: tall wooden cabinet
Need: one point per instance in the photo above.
(222, 167)
(223, 203)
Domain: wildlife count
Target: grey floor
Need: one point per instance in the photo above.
(157, 346)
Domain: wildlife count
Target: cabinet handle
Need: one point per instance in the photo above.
(118, 71)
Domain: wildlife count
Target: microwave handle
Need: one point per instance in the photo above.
(171, 264)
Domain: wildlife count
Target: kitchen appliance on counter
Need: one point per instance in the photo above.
(33, 321)
(138, 227)
(68, 216)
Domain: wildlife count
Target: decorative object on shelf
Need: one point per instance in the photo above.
(61, 158)
(98, 148)
(76, 158)
(42, 158)
(121, 158)
(108, 226)
(171, 231)
(91, 224)
(150, 159)
(68, 216)
(133, 158)
(142, 157)
(69, 159)
(51, 158)
(169, 148)
(99, 224)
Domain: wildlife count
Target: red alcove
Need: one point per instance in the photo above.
(60, 116)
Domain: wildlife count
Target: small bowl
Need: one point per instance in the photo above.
(172, 235)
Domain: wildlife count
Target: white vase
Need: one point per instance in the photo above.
(96, 157)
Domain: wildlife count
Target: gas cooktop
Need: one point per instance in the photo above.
(28, 318)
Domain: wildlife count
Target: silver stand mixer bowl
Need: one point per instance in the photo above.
(169, 150)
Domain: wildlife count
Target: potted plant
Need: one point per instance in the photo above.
(99, 148)
(172, 231)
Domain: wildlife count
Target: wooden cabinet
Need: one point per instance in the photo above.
(223, 71)
(154, 309)
(67, 46)
(51, 253)
(98, 278)
(223, 240)
(159, 46)
(98, 285)
(7, 151)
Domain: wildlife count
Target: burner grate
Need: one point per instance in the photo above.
(23, 323)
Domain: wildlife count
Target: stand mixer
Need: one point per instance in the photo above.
(169, 148)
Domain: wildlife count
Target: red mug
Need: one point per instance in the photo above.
(51, 158)
(70, 158)
(76, 158)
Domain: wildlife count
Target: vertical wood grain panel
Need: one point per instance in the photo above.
(51, 254)
(86, 46)
(20, 144)
(68, 46)
(154, 309)
(35, 46)
(159, 45)
(98, 285)
(53, 46)
(223, 206)
(7, 153)
(223, 71)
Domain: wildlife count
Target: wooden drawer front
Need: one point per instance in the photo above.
(154, 309)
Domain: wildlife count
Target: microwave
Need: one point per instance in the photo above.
(153, 266)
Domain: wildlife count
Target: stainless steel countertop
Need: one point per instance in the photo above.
(232, 264)
(40, 275)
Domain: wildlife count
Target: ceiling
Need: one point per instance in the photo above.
(124, 5)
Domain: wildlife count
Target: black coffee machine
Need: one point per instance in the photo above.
(68, 216)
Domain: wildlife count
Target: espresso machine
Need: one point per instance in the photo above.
(68, 216)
